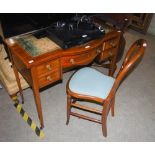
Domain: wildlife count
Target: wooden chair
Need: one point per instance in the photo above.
(88, 84)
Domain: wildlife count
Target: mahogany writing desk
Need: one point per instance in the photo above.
(42, 62)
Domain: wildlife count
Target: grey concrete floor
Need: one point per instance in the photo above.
(135, 108)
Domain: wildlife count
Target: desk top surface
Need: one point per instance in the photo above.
(38, 42)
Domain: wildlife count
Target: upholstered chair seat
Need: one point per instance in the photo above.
(89, 81)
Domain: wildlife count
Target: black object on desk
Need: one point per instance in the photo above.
(71, 33)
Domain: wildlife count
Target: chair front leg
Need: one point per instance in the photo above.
(104, 122)
(68, 108)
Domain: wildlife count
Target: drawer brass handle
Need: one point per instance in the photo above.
(98, 51)
(49, 78)
(72, 61)
(110, 53)
(49, 67)
(112, 44)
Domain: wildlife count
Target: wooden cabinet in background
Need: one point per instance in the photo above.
(141, 21)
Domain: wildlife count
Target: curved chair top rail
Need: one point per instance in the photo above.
(134, 54)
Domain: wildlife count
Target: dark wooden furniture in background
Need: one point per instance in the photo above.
(47, 68)
(141, 21)
(76, 88)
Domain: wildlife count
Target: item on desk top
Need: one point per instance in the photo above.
(45, 44)
(35, 46)
(27, 44)
(71, 33)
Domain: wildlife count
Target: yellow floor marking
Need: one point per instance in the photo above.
(19, 108)
(33, 126)
(25, 117)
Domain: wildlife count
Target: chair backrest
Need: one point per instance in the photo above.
(133, 55)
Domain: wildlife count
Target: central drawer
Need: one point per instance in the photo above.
(80, 59)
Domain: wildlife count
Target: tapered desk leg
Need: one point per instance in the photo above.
(18, 83)
(16, 75)
(38, 106)
(37, 96)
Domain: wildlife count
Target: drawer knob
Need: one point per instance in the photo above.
(72, 61)
(49, 67)
(112, 43)
(98, 51)
(110, 53)
(49, 78)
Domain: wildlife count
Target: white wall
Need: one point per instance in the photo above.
(151, 29)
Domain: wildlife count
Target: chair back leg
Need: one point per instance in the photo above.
(113, 107)
(68, 108)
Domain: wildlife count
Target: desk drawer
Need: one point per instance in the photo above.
(81, 59)
(107, 54)
(111, 43)
(48, 67)
(49, 78)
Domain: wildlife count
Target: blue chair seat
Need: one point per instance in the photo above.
(89, 81)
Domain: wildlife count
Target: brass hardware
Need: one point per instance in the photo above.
(98, 51)
(112, 43)
(49, 78)
(110, 53)
(49, 67)
(72, 61)
(31, 61)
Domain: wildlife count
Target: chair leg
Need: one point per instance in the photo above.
(104, 124)
(68, 109)
(113, 107)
